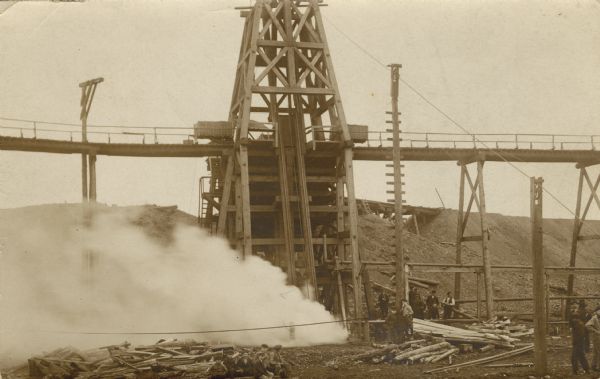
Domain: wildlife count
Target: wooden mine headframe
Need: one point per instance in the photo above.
(274, 199)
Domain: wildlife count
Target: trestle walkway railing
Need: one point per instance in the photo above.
(33, 129)
(513, 141)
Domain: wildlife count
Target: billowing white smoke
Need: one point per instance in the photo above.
(195, 283)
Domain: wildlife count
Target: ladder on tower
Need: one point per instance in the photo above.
(210, 193)
(203, 203)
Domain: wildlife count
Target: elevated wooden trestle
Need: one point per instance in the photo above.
(281, 181)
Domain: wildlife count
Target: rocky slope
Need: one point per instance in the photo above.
(509, 244)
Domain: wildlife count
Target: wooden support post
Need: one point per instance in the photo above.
(88, 184)
(239, 224)
(246, 219)
(547, 294)
(286, 213)
(227, 185)
(84, 178)
(341, 293)
(487, 263)
(248, 77)
(366, 278)
(88, 89)
(353, 226)
(478, 296)
(339, 193)
(460, 232)
(92, 166)
(84, 160)
(242, 122)
(575, 238)
(300, 140)
(416, 222)
(539, 287)
(406, 281)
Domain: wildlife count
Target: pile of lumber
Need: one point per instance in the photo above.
(410, 352)
(161, 360)
(464, 336)
(502, 328)
(486, 360)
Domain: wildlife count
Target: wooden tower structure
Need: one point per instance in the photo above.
(286, 189)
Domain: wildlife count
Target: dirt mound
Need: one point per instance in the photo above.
(376, 240)
(157, 221)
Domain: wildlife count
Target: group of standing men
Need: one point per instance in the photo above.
(430, 308)
(585, 327)
(400, 324)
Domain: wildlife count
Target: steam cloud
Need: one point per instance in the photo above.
(137, 284)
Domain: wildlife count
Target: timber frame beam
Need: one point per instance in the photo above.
(580, 217)
(88, 164)
(477, 197)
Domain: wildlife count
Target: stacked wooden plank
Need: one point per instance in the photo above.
(411, 352)
(486, 360)
(164, 360)
(502, 328)
(439, 342)
(463, 336)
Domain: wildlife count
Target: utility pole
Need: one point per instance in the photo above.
(539, 278)
(397, 157)
(88, 89)
(485, 251)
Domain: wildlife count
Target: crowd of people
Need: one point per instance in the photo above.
(399, 324)
(585, 331)
(428, 309)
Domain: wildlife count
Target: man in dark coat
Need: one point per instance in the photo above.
(384, 304)
(418, 306)
(412, 296)
(585, 315)
(578, 332)
(433, 304)
(593, 327)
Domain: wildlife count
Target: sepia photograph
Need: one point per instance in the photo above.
(299, 189)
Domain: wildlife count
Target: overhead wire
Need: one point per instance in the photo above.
(443, 113)
(91, 125)
(457, 124)
(291, 325)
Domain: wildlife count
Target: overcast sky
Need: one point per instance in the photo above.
(494, 66)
